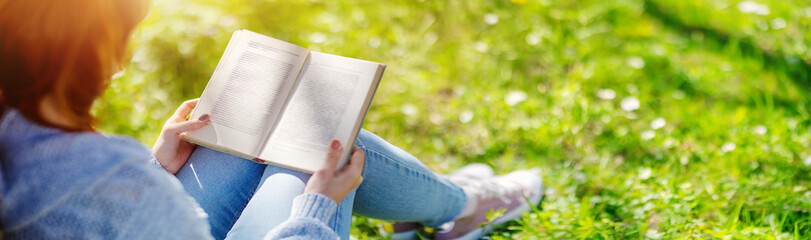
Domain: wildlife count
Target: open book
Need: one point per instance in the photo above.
(278, 103)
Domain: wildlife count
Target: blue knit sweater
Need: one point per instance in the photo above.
(59, 185)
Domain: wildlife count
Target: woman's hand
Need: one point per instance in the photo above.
(337, 183)
(170, 151)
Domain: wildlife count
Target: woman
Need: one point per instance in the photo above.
(59, 178)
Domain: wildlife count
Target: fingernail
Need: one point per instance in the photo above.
(203, 117)
(335, 144)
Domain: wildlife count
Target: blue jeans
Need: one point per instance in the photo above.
(245, 200)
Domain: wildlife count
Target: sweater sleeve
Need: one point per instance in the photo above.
(308, 219)
(153, 161)
(162, 210)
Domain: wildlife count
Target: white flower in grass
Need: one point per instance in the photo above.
(669, 143)
(778, 23)
(648, 135)
(317, 37)
(654, 234)
(409, 109)
(515, 97)
(727, 147)
(466, 116)
(629, 104)
(580, 177)
(684, 160)
(807, 161)
(533, 39)
(606, 94)
(753, 7)
(636, 62)
(658, 123)
(645, 173)
(481, 46)
(491, 19)
(760, 130)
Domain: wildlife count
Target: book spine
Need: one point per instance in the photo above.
(262, 161)
(216, 147)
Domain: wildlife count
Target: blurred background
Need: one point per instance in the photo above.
(654, 119)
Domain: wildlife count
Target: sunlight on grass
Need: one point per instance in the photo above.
(654, 119)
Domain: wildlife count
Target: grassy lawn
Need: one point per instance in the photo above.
(654, 119)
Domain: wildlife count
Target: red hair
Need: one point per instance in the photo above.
(66, 50)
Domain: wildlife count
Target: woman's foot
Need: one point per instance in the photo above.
(408, 230)
(513, 193)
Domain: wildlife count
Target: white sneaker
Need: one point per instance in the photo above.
(514, 193)
(409, 230)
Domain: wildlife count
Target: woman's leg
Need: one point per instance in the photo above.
(398, 187)
(221, 183)
(272, 203)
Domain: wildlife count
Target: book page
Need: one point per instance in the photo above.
(326, 105)
(247, 92)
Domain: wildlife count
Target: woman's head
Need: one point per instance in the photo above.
(64, 51)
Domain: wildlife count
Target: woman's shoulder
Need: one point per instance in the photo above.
(39, 157)
(20, 136)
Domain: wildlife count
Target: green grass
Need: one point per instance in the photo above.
(731, 160)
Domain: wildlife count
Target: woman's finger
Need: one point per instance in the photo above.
(189, 125)
(333, 153)
(355, 167)
(185, 109)
(357, 161)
